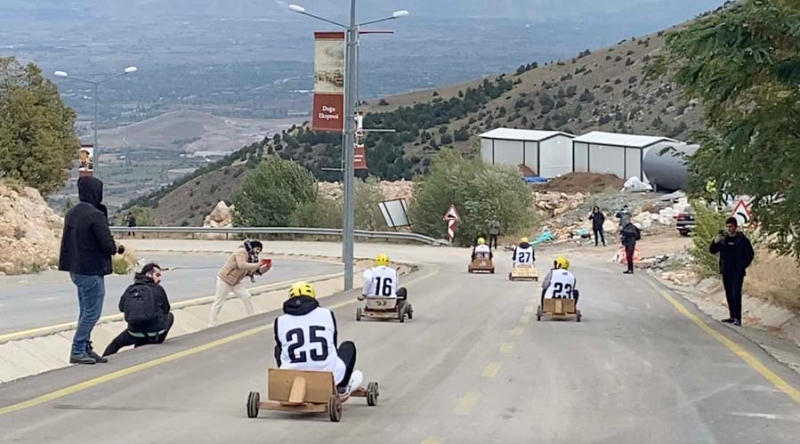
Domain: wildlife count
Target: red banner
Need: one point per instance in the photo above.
(328, 112)
(360, 158)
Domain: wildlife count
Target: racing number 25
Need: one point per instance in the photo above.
(297, 338)
(558, 288)
(383, 287)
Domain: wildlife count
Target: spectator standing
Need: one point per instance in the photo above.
(624, 213)
(147, 311)
(735, 255)
(242, 263)
(598, 219)
(86, 250)
(630, 234)
(494, 232)
(131, 223)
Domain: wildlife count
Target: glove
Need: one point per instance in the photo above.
(120, 249)
(361, 297)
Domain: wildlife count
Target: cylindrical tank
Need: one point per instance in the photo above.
(665, 165)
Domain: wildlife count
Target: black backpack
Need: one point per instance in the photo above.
(139, 305)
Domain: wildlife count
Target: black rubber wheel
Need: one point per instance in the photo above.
(401, 317)
(492, 271)
(358, 314)
(539, 313)
(373, 391)
(578, 317)
(335, 408)
(469, 269)
(410, 311)
(252, 404)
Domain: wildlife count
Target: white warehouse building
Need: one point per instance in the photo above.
(547, 153)
(619, 154)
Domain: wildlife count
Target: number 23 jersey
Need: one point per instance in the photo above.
(562, 284)
(308, 342)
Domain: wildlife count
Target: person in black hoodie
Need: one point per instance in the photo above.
(159, 320)
(86, 250)
(598, 219)
(735, 255)
(630, 234)
(306, 338)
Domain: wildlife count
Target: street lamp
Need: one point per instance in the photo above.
(96, 83)
(349, 136)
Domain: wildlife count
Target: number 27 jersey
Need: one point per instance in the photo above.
(308, 342)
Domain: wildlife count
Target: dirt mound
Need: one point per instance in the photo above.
(30, 231)
(584, 183)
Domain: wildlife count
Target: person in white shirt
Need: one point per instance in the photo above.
(383, 281)
(523, 253)
(560, 283)
(482, 250)
(306, 338)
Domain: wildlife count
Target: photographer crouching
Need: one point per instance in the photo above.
(735, 255)
(244, 262)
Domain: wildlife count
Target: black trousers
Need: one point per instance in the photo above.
(125, 338)
(347, 353)
(629, 250)
(493, 241)
(733, 293)
(599, 235)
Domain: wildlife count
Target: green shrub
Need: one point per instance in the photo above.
(368, 195)
(479, 192)
(708, 222)
(323, 212)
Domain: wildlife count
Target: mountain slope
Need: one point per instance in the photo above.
(604, 89)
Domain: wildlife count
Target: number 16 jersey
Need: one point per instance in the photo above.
(380, 281)
(308, 342)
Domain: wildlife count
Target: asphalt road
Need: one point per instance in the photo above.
(473, 366)
(49, 298)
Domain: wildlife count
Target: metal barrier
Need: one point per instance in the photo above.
(245, 231)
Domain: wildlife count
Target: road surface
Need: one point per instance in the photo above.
(49, 298)
(473, 366)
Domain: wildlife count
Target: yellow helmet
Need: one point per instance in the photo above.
(524, 240)
(562, 263)
(382, 260)
(302, 289)
(481, 241)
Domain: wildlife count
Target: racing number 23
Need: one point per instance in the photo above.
(558, 288)
(297, 338)
(383, 287)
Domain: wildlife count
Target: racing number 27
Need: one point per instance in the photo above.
(524, 257)
(296, 337)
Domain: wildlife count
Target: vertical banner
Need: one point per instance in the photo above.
(360, 158)
(86, 160)
(328, 112)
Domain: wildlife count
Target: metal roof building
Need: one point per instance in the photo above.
(546, 153)
(619, 154)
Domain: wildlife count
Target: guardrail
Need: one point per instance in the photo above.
(245, 231)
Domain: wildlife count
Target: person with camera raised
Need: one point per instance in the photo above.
(244, 262)
(735, 255)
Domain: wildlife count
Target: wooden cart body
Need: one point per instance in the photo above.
(558, 308)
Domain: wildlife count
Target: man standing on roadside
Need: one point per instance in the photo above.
(86, 250)
(630, 234)
(494, 231)
(735, 255)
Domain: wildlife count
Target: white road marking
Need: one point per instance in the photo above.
(45, 299)
(770, 416)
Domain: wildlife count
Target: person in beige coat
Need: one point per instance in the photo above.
(241, 264)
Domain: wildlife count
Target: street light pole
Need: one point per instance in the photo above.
(349, 136)
(96, 84)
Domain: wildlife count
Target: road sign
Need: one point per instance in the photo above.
(742, 213)
(452, 214)
(451, 229)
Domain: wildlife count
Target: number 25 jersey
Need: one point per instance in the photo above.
(308, 341)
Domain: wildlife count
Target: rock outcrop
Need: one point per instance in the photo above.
(30, 231)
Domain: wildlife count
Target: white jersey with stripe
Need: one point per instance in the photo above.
(562, 284)
(308, 342)
(523, 255)
(380, 281)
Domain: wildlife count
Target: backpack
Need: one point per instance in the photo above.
(139, 305)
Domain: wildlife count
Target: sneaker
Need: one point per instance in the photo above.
(99, 359)
(728, 321)
(355, 381)
(737, 322)
(84, 359)
(627, 272)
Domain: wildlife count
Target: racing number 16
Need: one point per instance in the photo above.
(383, 287)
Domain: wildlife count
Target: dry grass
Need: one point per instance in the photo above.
(775, 278)
(124, 263)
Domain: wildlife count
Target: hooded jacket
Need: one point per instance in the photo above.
(160, 297)
(87, 244)
(598, 219)
(630, 234)
(300, 306)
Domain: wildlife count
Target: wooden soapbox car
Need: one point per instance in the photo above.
(523, 272)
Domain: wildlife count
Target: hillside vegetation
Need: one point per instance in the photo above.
(604, 89)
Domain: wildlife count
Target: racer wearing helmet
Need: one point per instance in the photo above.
(560, 283)
(523, 253)
(382, 281)
(306, 339)
(482, 249)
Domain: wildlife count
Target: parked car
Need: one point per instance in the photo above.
(685, 222)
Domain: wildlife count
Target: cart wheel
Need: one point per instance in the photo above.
(536, 279)
(410, 311)
(252, 404)
(402, 317)
(335, 408)
(510, 278)
(539, 313)
(469, 269)
(578, 316)
(358, 314)
(492, 271)
(372, 394)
